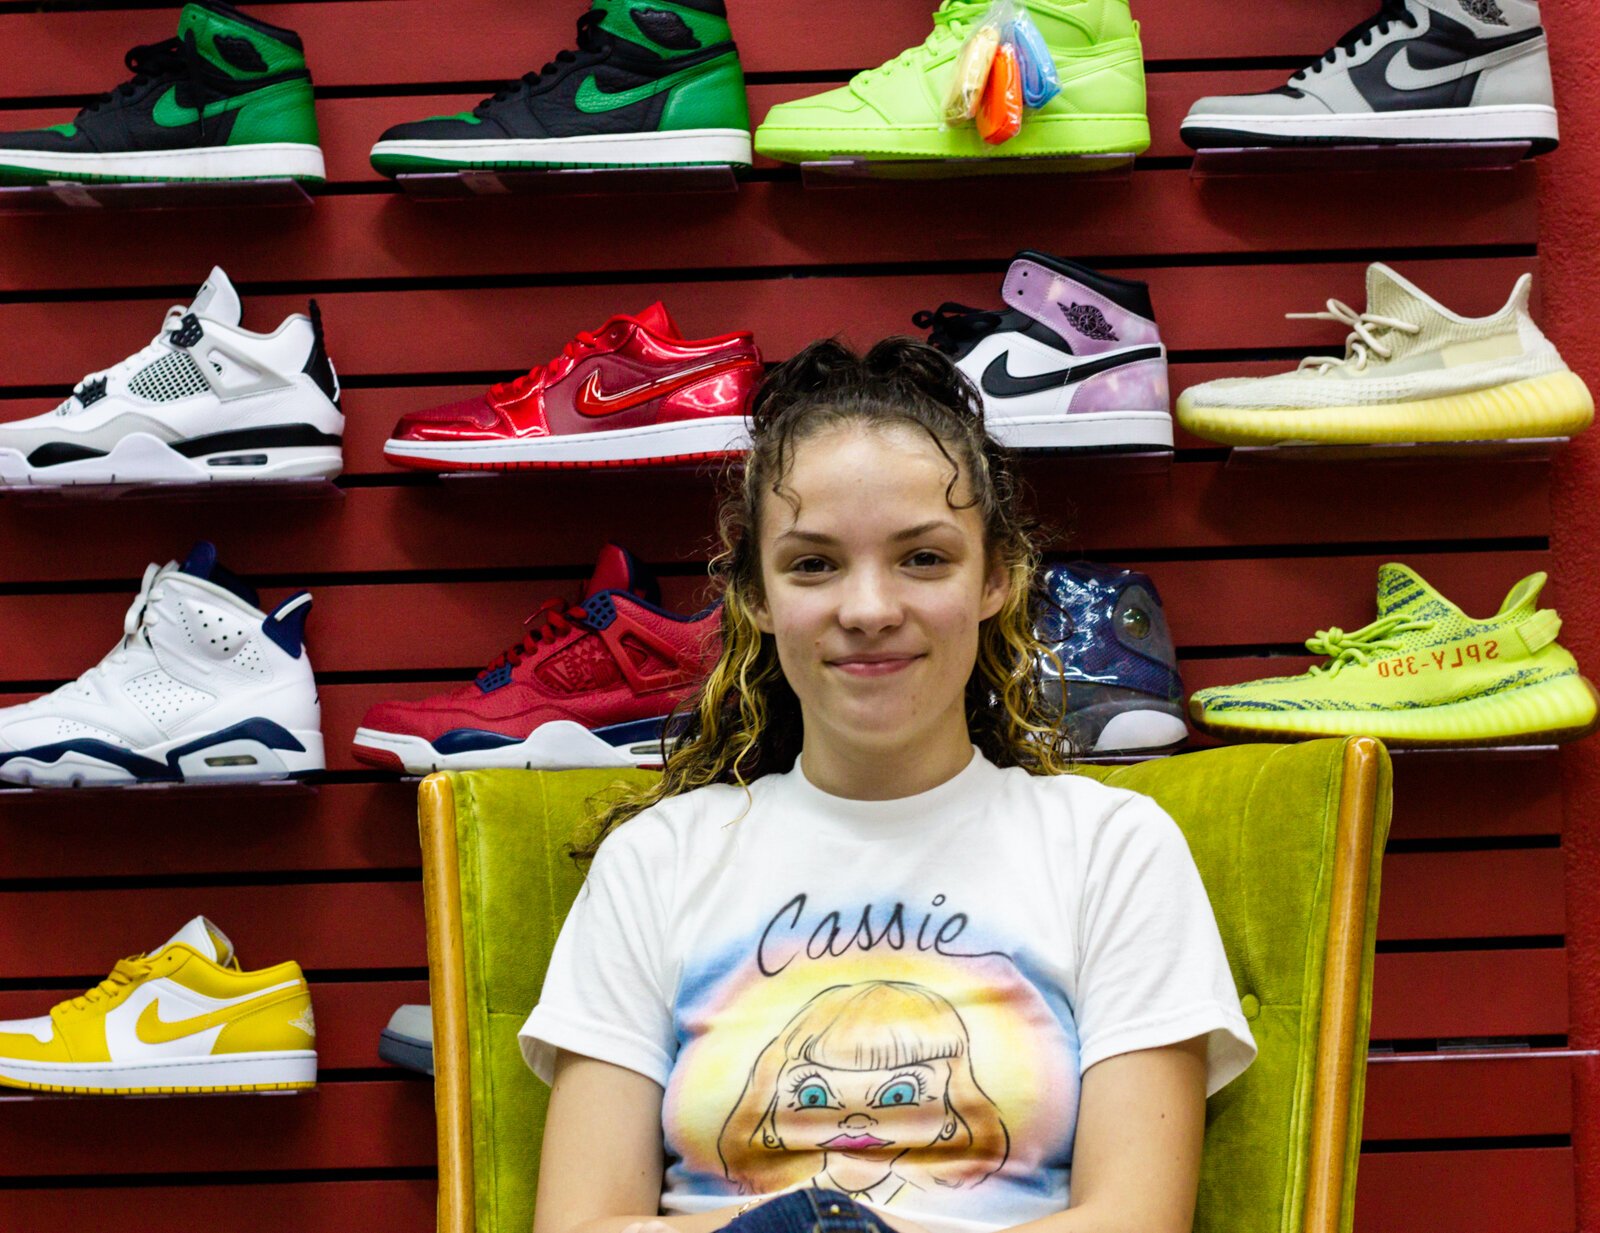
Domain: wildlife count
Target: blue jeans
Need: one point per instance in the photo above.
(808, 1210)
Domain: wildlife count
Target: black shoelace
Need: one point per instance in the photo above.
(1394, 12)
(950, 325)
(592, 39)
(173, 59)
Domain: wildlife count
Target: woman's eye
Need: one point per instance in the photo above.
(901, 1092)
(809, 565)
(812, 1096)
(925, 559)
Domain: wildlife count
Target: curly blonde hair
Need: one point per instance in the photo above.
(745, 720)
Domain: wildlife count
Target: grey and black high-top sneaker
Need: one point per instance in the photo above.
(228, 98)
(1074, 362)
(1418, 71)
(652, 83)
(1117, 671)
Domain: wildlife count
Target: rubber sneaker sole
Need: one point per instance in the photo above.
(1550, 712)
(1556, 405)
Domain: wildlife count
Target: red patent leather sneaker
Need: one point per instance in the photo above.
(589, 685)
(633, 393)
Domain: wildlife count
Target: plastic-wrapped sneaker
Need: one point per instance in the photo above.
(1074, 361)
(893, 112)
(1117, 667)
(652, 83)
(1417, 71)
(229, 98)
(1412, 371)
(203, 685)
(185, 1018)
(207, 401)
(590, 685)
(1424, 673)
(408, 1039)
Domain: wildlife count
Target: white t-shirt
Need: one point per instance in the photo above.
(896, 999)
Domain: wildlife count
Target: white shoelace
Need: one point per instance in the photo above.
(153, 350)
(139, 618)
(1361, 345)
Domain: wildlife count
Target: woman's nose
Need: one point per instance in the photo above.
(869, 602)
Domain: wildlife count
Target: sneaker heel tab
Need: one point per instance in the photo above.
(287, 624)
(1539, 630)
(1526, 592)
(318, 366)
(1522, 295)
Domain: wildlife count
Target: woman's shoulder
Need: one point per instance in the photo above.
(678, 821)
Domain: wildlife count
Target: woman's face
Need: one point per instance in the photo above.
(874, 589)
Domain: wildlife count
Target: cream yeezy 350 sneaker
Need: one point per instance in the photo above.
(185, 1018)
(1412, 371)
(894, 111)
(203, 685)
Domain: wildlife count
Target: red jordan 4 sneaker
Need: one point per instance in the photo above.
(633, 393)
(588, 686)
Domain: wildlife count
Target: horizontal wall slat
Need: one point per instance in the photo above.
(1526, 1190)
(770, 225)
(1462, 1096)
(349, 43)
(492, 523)
(1441, 996)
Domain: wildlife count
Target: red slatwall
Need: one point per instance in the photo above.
(417, 583)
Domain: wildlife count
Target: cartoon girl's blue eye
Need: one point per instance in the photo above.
(813, 1095)
(903, 1092)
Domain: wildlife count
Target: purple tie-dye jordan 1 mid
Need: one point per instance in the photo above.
(1118, 669)
(1074, 362)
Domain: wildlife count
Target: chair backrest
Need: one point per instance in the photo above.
(1288, 840)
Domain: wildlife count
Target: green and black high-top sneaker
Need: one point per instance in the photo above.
(652, 83)
(229, 98)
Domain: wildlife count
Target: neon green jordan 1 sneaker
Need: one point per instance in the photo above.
(1424, 673)
(893, 111)
(228, 98)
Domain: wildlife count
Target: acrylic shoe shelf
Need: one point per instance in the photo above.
(567, 182)
(1234, 162)
(845, 172)
(10, 1095)
(200, 793)
(310, 488)
(1522, 449)
(59, 196)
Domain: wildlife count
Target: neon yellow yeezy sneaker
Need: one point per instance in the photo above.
(183, 1019)
(1423, 673)
(893, 111)
(1412, 371)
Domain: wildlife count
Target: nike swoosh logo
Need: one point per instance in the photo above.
(592, 401)
(169, 113)
(592, 99)
(152, 1029)
(1403, 75)
(998, 382)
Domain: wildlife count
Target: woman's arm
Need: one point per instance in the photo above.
(601, 1166)
(1136, 1158)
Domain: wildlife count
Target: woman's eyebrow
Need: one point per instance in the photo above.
(923, 528)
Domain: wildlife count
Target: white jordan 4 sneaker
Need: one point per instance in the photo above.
(1418, 71)
(202, 686)
(206, 400)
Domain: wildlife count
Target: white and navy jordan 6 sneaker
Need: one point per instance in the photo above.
(1074, 362)
(206, 400)
(1418, 71)
(203, 685)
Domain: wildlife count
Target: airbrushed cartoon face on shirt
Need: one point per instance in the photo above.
(872, 1114)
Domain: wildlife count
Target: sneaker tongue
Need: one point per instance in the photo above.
(658, 320)
(618, 570)
(203, 936)
(217, 300)
(1389, 295)
(202, 563)
(1404, 592)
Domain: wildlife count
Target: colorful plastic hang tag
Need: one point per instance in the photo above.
(1000, 109)
(972, 66)
(1040, 82)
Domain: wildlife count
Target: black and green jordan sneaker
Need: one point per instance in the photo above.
(228, 99)
(652, 83)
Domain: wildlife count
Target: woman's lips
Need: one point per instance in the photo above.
(855, 1143)
(873, 665)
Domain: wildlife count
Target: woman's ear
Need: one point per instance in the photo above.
(757, 604)
(996, 590)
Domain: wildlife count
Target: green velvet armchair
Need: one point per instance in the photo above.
(1288, 840)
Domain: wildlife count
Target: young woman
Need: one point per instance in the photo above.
(864, 956)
